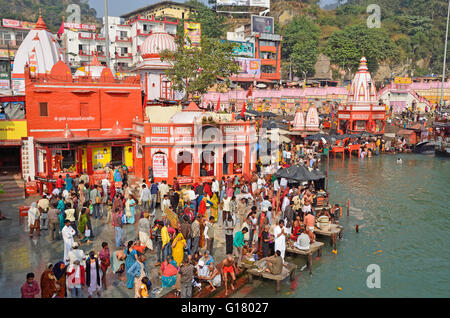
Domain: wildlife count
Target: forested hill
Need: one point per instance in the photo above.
(52, 11)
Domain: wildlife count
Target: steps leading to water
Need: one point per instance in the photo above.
(13, 188)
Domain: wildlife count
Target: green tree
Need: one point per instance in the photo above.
(300, 45)
(212, 24)
(194, 71)
(347, 46)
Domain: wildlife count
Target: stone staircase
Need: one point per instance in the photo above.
(13, 187)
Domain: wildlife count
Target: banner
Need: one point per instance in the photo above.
(244, 3)
(4, 53)
(402, 80)
(160, 165)
(16, 24)
(193, 32)
(13, 130)
(79, 26)
(262, 24)
(249, 67)
(246, 49)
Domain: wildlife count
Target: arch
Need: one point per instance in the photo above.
(185, 163)
(233, 160)
(207, 162)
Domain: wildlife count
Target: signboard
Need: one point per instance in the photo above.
(16, 24)
(402, 80)
(4, 53)
(246, 49)
(193, 32)
(262, 24)
(160, 165)
(79, 26)
(28, 162)
(249, 67)
(244, 3)
(13, 130)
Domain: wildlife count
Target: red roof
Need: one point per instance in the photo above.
(192, 108)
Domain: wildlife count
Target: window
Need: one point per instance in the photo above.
(84, 110)
(268, 69)
(43, 109)
(5, 37)
(20, 36)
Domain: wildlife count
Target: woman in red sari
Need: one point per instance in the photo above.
(296, 228)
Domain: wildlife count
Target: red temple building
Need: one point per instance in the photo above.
(362, 111)
(79, 123)
(193, 145)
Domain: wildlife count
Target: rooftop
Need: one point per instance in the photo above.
(156, 5)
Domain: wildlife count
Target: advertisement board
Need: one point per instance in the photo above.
(13, 130)
(79, 26)
(192, 34)
(244, 3)
(160, 165)
(16, 24)
(248, 67)
(262, 24)
(402, 80)
(246, 49)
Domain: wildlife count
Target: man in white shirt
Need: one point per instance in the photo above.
(226, 207)
(163, 189)
(303, 241)
(67, 234)
(75, 254)
(105, 185)
(285, 203)
(261, 183)
(145, 198)
(276, 185)
(280, 238)
(215, 187)
(165, 203)
(283, 182)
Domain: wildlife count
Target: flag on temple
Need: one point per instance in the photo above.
(61, 30)
(243, 111)
(218, 105)
(250, 91)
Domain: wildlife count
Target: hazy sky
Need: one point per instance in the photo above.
(119, 7)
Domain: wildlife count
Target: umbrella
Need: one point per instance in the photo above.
(299, 173)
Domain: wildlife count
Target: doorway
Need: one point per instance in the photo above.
(117, 155)
(10, 160)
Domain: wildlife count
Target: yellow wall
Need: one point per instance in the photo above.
(13, 129)
(170, 10)
(128, 156)
(106, 157)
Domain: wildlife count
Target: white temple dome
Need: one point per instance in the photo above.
(39, 50)
(362, 90)
(156, 43)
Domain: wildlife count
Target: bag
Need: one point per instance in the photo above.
(87, 233)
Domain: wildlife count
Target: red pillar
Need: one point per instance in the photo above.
(90, 168)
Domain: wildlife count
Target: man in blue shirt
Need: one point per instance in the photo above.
(154, 193)
(238, 242)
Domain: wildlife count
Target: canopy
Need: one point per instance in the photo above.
(299, 173)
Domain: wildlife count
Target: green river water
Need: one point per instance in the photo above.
(403, 215)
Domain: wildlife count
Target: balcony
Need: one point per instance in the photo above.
(84, 53)
(85, 36)
(123, 39)
(124, 56)
(141, 33)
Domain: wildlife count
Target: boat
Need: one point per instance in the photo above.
(443, 152)
(425, 148)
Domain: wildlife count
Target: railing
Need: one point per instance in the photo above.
(123, 39)
(82, 79)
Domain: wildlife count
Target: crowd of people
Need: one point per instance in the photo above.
(259, 216)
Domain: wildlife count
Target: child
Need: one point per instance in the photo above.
(108, 210)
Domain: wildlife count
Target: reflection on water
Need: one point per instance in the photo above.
(403, 215)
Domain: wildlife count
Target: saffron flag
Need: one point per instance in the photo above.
(61, 30)
(250, 91)
(218, 105)
(243, 111)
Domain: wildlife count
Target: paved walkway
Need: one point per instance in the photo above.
(19, 254)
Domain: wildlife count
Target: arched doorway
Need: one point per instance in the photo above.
(184, 164)
(232, 162)
(207, 163)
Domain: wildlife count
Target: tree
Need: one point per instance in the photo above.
(212, 23)
(194, 71)
(300, 45)
(347, 46)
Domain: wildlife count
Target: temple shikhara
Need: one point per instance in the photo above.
(362, 112)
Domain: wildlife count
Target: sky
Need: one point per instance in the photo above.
(119, 7)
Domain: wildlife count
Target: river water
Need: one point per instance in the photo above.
(403, 215)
